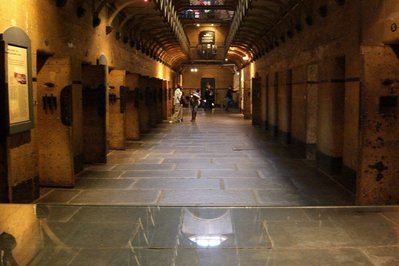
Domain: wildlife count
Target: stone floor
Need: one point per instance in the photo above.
(212, 193)
(220, 160)
(49, 234)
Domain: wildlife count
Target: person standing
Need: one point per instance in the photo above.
(194, 102)
(209, 98)
(177, 116)
(228, 99)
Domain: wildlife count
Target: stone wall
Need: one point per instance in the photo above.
(57, 32)
(313, 79)
(378, 170)
(344, 109)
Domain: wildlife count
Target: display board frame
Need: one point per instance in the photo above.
(16, 81)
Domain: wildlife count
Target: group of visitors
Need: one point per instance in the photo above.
(195, 102)
(178, 101)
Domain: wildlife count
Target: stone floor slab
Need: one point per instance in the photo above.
(283, 197)
(95, 183)
(205, 166)
(173, 183)
(145, 166)
(162, 174)
(208, 197)
(100, 174)
(59, 196)
(258, 183)
(130, 197)
(229, 174)
(187, 160)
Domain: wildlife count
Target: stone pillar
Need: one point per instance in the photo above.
(152, 101)
(132, 108)
(166, 112)
(256, 101)
(247, 95)
(55, 122)
(273, 104)
(23, 178)
(77, 122)
(378, 181)
(284, 107)
(331, 94)
(159, 100)
(350, 161)
(117, 118)
(143, 106)
(264, 107)
(311, 110)
(298, 113)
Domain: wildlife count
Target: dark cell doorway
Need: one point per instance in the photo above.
(94, 80)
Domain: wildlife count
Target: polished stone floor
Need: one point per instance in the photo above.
(49, 234)
(212, 193)
(220, 160)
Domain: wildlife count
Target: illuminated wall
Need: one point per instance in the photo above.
(224, 77)
(59, 32)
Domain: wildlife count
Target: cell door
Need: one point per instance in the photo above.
(94, 80)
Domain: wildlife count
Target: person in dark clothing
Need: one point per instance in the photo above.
(228, 99)
(209, 99)
(195, 100)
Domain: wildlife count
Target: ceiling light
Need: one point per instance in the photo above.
(246, 58)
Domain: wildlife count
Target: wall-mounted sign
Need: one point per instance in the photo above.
(207, 37)
(16, 77)
(18, 93)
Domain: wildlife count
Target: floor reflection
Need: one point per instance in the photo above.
(7, 244)
(207, 231)
(123, 235)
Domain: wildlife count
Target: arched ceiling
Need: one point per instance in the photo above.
(159, 28)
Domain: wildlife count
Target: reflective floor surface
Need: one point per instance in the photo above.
(220, 160)
(215, 192)
(122, 235)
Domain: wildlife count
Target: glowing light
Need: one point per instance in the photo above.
(226, 59)
(197, 24)
(208, 241)
(194, 69)
(246, 58)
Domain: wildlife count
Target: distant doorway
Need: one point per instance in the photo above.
(208, 93)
